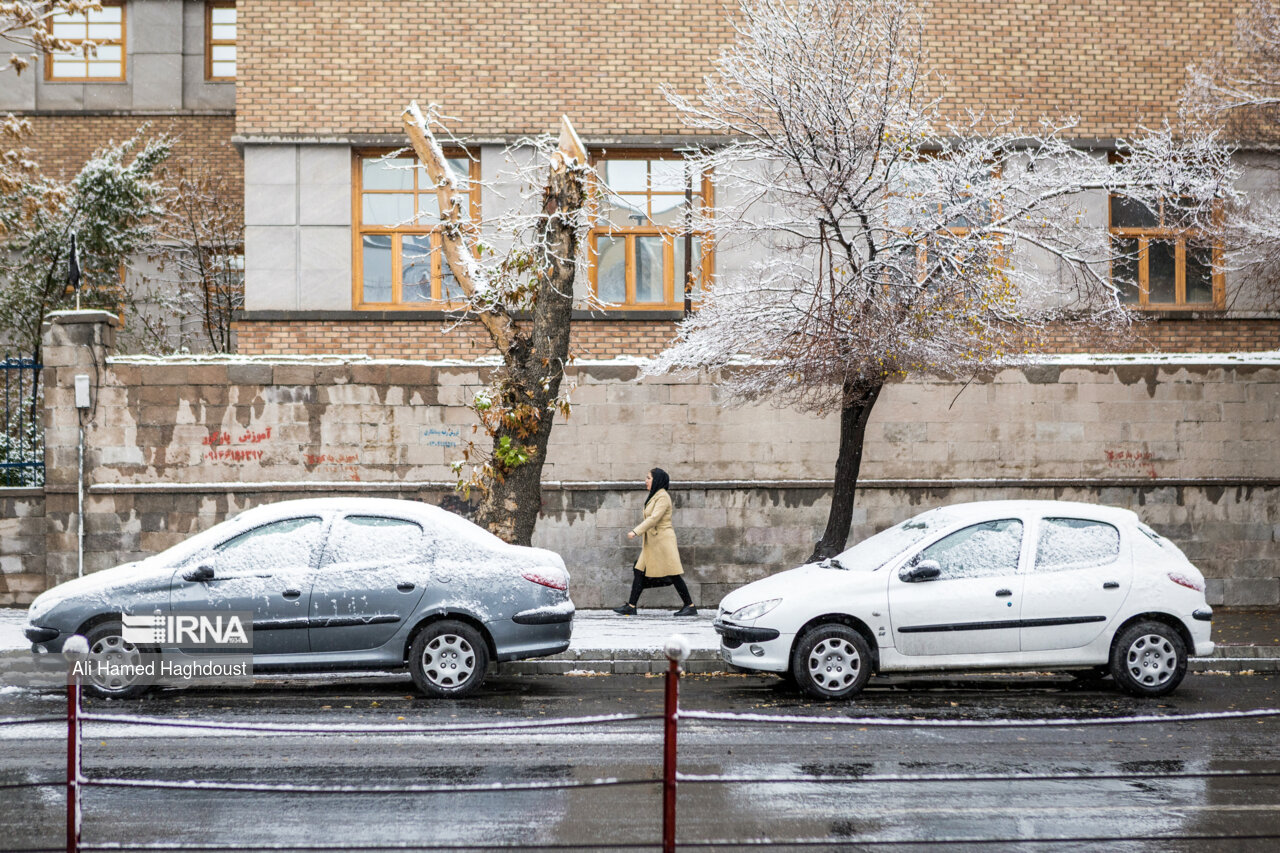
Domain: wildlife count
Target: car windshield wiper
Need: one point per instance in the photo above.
(833, 563)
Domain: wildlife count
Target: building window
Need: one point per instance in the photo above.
(1159, 263)
(105, 29)
(638, 256)
(398, 257)
(220, 40)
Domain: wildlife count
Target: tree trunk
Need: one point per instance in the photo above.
(858, 402)
(534, 364)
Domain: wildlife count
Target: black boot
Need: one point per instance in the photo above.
(687, 610)
(625, 610)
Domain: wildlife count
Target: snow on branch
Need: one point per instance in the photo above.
(889, 238)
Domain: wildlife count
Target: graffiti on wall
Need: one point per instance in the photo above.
(238, 446)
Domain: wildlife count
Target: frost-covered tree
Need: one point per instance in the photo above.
(522, 295)
(24, 24)
(113, 208)
(1240, 92)
(894, 239)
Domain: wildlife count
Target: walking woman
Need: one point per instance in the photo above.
(659, 561)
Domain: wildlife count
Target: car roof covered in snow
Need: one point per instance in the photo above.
(983, 510)
(425, 513)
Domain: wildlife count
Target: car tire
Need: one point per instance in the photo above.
(448, 659)
(831, 662)
(1148, 659)
(107, 646)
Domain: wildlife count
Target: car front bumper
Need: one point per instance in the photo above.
(749, 647)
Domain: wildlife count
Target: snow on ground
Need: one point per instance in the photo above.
(646, 631)
(12, 621)
(592, 629)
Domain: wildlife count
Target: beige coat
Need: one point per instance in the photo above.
(659, 556)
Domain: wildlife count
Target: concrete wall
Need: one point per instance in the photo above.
(175, 446)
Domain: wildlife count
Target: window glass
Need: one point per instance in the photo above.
(1124, 269)
(279, 545)
(981, 550)
(648, 202)
(873, 552)
(1074, 543)
(105, 29)
(374, 540)
(399, 232)
(220, 40)
(1199, 273)
(1162, 271)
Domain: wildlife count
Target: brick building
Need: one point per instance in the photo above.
(300, 101)
(316, 98)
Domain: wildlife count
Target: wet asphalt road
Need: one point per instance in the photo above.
(1163, 805)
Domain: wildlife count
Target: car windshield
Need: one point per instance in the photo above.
(873, 552)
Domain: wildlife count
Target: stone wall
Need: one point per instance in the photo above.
(176, 445)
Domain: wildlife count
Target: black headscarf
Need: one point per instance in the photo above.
(660, 481)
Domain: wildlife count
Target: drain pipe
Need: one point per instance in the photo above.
(82, 406)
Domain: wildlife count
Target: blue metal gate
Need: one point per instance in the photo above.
(22, 434)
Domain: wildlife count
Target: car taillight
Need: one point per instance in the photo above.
(555, 581)
(1183, 580)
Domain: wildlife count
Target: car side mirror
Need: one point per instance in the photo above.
(925, 570)
(199, 574)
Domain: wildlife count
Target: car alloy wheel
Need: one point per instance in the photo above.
(1149, 659)
(113, 664)
(831, 662)
(448, 659)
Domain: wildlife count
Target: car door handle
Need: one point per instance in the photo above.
(291, 593)
(1111, 585)
(1003, 593)
(405, 587)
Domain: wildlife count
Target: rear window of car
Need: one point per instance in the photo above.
(1075, 543)
(373, 539)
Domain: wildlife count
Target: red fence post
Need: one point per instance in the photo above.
(75, 650)
(677, 650)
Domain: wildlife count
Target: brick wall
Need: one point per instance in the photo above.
(597, 338)
(511, 67)
(63, 144)
(436, 339)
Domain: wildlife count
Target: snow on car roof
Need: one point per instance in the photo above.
(415, 510)
(1022, 508)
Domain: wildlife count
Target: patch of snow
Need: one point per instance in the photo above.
(12, 622)
(601, 630)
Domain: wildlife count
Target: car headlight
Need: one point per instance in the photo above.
(754, 611)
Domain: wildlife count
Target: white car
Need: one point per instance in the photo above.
(1045, 585)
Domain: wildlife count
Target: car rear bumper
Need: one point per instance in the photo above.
(515, 641)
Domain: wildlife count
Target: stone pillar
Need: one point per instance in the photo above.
(72, 342)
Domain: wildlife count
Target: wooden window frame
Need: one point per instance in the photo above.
(210, 42)
(1179, 237)
(672, 300)
(359, 230)
(124, 52)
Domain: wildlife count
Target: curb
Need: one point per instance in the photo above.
(1233, 659)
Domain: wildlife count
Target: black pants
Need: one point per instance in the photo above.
(638, 579)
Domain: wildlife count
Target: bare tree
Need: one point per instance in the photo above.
(26, 24)
(891, 240)
(523, 297)
(1239, 91)
(200, 251)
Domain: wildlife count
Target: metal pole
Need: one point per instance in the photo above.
(80, 502)
(677, 650)
(73, 763)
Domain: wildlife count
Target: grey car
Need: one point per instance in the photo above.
(333, 584)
